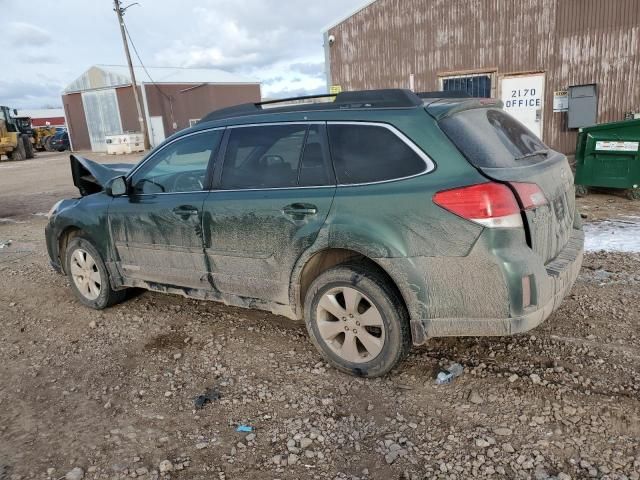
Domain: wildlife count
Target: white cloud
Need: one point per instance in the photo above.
(267, 40)
(278, 42)
(24, 35)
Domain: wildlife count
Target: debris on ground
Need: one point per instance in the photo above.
(450, 374)
(5, 243)
(209, 396)
(244, 428)
(76, 474)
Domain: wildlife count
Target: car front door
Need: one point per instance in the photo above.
(157, 228)
(271, 196)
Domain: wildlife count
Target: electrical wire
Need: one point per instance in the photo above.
(133, 45)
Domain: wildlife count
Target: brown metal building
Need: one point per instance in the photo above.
(101, 102)
(581, 55)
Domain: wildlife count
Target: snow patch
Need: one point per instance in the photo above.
(620, 235)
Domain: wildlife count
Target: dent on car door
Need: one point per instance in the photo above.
(275, 190)
(157, 228)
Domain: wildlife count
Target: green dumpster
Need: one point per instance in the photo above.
(607, 155)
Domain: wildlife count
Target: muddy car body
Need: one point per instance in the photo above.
(382, 219)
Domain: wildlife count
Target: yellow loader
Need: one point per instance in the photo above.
(13, 143)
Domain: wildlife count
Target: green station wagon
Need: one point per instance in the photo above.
(382, 218)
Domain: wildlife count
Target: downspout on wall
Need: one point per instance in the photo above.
(327, 59)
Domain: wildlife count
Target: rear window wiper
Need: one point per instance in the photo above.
(535, 153)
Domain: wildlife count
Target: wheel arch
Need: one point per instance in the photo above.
(66, 235)
(313, 264)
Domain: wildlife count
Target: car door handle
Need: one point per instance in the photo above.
(185, 211)
(300, 209)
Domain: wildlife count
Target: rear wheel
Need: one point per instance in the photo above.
(357, 320)
(89, 277)
(47, 143)
(28, 146)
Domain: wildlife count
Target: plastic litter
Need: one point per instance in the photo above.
(244, 428)
(6, 243)
(209, 396)
(450, 374)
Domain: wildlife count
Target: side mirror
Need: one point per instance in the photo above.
(116, 187)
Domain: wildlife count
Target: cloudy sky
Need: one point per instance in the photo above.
(278, 42)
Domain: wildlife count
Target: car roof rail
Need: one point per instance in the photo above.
(387, 98)
(445, 94)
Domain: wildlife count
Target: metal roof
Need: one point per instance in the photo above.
(104, 76)
(41, 113)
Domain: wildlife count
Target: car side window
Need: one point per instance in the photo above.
(315, 168)
(266, 156)
(179, 167)
(369, 153)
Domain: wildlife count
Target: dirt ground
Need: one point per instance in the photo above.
(112, 393)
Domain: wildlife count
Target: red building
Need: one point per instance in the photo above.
(100, 102)
(44, 117)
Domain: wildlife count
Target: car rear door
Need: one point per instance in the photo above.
(157, 228)
(505, 150)
(274, 191)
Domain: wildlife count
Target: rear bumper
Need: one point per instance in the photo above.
(552, 283)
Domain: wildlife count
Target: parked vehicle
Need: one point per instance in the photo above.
(14, 142)
(59, 142)
(382, 219)
(41, 136)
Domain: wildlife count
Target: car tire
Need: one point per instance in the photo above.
(357, 320)
(88, 275)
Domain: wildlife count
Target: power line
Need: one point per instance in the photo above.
(133, 45)
(142, 64)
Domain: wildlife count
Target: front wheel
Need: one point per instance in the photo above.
(357, 320)
(19, 153)
(89, 277)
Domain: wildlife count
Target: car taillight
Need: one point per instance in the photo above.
(491, 204)
(530, 195)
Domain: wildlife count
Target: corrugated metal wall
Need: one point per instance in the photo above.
(102, 114)
(572, 41)
(77, 123)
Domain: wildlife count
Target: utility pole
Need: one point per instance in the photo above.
(143, 127)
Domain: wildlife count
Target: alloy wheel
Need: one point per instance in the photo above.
(85, 274)
(350, 324)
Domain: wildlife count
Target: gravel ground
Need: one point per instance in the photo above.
(110, 394)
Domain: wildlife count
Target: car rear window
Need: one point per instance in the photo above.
(369, 153)
(491, 138)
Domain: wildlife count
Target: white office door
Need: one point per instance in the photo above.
(523, 97)
(157, 131)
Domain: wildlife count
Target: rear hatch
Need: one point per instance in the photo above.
(504, 150)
